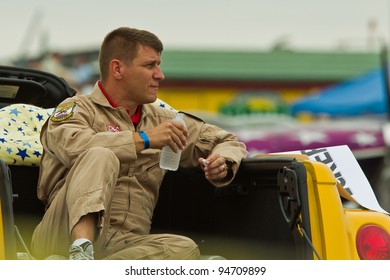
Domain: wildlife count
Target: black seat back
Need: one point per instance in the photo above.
(24, 85)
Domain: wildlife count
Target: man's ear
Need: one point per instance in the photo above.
(116, 68)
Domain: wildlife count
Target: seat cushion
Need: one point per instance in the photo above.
(20, 126)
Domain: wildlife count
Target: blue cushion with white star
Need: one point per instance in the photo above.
(20, 126)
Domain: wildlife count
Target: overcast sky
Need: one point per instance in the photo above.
(29, 25)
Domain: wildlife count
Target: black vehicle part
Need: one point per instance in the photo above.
(246, 210)
(288, 188)
(294, 203)
(256, 173)
(7, 218)
(24, 85)
(288, 176)
(27, 208)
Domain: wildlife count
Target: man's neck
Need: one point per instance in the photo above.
(130, 109)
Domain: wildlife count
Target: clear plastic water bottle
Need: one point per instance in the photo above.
(169, 160)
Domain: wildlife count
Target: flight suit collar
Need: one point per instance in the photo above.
(98, 97)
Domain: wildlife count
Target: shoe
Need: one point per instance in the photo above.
(84, 251)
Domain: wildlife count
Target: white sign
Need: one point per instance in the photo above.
(347, 171)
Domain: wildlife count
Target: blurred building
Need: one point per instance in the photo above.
(212, 78)
(205, 80)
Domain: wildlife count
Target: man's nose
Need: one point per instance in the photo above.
(159, 75)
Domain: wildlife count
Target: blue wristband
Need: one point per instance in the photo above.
(145, 138)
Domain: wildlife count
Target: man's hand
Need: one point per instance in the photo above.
(172, 133)
(214, 167)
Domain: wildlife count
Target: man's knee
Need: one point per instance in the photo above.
(101, 153)
(183, 247)
(98, 158)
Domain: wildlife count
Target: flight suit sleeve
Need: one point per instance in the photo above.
(73, 128)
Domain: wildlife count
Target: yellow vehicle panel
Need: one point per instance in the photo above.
(333, 227)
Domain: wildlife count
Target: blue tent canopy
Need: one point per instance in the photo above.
(362, 95)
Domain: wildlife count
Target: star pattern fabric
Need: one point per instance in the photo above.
(20, 126)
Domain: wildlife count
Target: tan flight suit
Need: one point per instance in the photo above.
(90, 165)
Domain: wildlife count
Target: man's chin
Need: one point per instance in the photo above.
(151, 100)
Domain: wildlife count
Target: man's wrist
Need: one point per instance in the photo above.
(145, 138)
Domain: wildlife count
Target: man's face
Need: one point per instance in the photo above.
(143, 75)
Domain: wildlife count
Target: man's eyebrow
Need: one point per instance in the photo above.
(152, 61)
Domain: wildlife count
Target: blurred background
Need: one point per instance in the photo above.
(282, 75)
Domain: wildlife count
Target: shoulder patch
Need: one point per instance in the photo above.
(63, 112)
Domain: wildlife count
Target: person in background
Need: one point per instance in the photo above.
(100, 174)
(83, 74)
(53, 64)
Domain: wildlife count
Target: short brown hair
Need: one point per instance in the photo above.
(122, 43)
